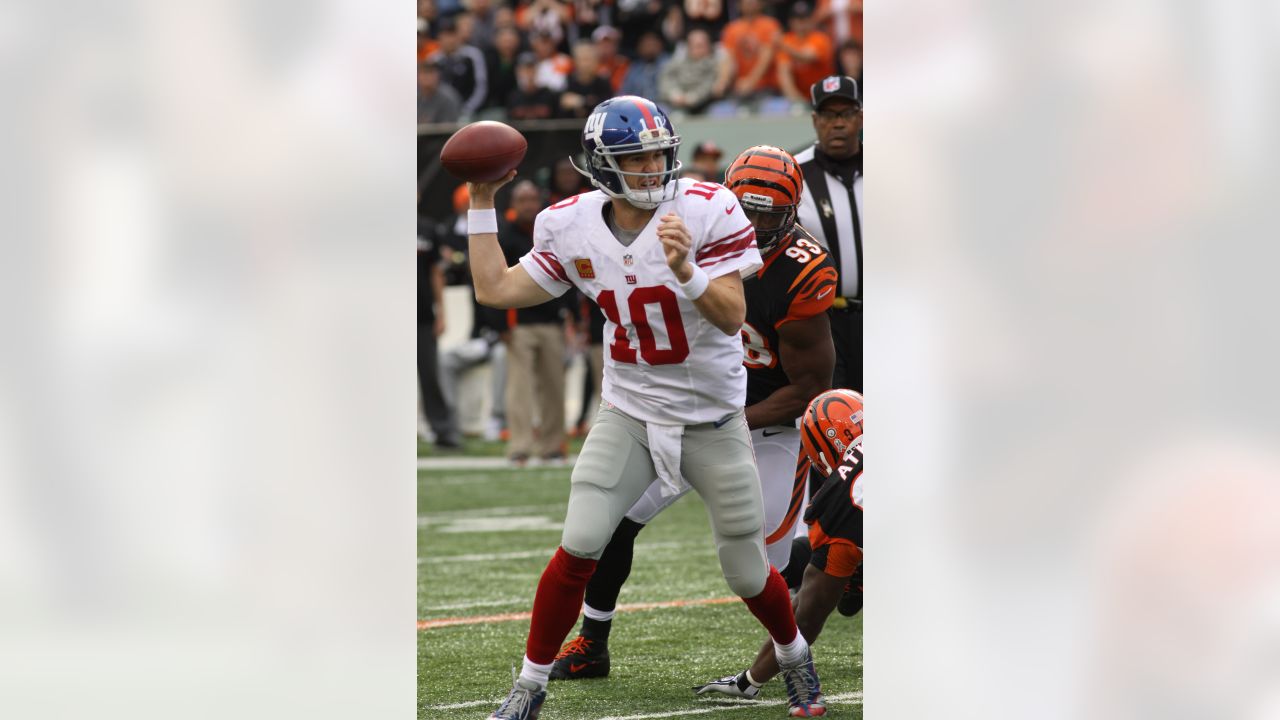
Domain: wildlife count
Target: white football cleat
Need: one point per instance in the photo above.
(732, 685)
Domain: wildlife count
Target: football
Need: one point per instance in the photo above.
(483, 151)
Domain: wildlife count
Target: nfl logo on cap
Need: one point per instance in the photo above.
(835, 86)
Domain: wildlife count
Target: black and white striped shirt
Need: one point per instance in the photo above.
(841, 209)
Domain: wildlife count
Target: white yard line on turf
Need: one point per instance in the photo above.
(840, 699)
(831, 700)
(447, 515)
(625, 607)
(547, 553)
(462, 462)
(459, 706)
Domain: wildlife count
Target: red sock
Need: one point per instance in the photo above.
(557, 603)
(772, 607)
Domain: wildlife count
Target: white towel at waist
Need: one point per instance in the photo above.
(664, 448)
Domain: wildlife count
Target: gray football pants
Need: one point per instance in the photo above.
(614, 469)
(776, 450)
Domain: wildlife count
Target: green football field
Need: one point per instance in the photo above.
(484, 536)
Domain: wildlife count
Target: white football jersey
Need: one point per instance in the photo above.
(665, 362)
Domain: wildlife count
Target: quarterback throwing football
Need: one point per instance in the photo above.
(663, 258)
(789, 357)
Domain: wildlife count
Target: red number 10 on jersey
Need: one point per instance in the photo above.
(621, 349)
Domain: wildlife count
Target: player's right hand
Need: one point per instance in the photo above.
(728, 686)
(481, 194)
(676, 243)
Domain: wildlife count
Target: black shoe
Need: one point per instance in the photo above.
(581, 658)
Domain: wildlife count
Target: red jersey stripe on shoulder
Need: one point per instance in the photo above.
(717, 251)
(716, 261)
(730, 236)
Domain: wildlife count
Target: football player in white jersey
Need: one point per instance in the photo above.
(790, 359)
(663, 258)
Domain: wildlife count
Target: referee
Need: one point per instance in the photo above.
(831, 209)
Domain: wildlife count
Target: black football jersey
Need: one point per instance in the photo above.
(837, 508)
(797, 281)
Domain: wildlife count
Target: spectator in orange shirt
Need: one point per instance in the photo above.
(752, 41)
(613, 67)
(804, 55)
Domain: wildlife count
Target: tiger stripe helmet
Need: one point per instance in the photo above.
(767, 181)
(831, 423)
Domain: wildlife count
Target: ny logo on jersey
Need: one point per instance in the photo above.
(583, 266)
(631, 279)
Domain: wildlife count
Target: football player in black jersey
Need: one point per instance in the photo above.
(832, 432)
(790, 359)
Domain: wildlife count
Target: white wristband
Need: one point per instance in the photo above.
(482, 221)
(696, 285)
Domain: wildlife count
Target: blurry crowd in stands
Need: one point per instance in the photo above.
(528, 351)
(540, 59)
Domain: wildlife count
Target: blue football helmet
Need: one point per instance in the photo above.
(622, 126)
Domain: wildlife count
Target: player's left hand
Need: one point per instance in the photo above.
(676, 243)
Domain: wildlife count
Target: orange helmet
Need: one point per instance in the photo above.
(831, 423)
(767, 181)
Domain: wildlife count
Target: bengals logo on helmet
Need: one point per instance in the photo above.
(831, 423)
(767, 181)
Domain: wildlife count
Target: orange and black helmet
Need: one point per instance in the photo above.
(767, 181)
(831, 423)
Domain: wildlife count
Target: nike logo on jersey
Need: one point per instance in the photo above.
(728, 210)
(766, 433)
(823, 293)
